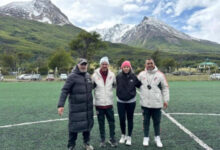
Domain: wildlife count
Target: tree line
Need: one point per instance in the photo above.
(85, 45)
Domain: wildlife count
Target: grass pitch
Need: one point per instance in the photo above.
(37, 101)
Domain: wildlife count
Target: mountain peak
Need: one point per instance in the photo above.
(145, 18)
(42, 1)
(152, 20)
(115, 33)
(39, 10)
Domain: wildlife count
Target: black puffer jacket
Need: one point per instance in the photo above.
(79, 88)
(126, 86)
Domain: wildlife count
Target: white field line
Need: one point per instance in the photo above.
(198, 114)
(200, 142)
(193, 136)
(184, 129)
(46, 121)
(30, 123)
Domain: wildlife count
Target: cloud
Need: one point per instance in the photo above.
(106, 24)
(147, 1)
(158, 9)
(183, 5)
(201, 23)
(188, 28)
(205, 23)
(134, 8)
(96, 13)
(163, 7)
(169, 11)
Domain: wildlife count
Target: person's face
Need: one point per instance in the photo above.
(126, 69)
(104, 66)
(150, 65)
(83, 67)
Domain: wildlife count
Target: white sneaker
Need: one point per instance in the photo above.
(128, 140)
(122, 139)
(146, 141)
(89, 147)
(158, 141)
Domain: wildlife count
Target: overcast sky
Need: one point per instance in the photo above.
(198, 18)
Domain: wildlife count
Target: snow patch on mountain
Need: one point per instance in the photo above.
(38, 10)
(115, 33)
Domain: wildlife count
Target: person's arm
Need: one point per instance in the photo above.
(93, 82)
(64, 93)
(165, 91)
(114, 82)
(137, 82)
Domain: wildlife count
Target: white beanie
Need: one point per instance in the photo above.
(104, 59)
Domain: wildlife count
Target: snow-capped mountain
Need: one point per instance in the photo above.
(115, 33)
(151, 28)
(150, 33)
(39, 10)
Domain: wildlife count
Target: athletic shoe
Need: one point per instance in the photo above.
(71, 148)
(123, 139)
(158, 141)
(102, 144)
(128, 142)
(113, 143)
(88, 146)
(146, 141)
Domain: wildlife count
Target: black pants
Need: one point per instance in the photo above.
(126, 110)
(73, 137)
(155, 113)
(109, 113)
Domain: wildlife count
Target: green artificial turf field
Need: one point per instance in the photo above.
(36, 101)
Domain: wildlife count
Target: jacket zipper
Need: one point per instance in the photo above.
(87, 113)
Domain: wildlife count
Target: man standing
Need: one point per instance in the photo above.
(78, 87)
(154, 94)
(104, 80)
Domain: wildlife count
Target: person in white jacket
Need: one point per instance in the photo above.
(104, 80)
(154, 95)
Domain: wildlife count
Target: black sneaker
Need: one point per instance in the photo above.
(113, 143)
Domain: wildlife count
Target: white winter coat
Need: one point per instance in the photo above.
(103, 92)
(154, 97)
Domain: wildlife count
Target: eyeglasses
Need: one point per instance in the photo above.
(149, 63)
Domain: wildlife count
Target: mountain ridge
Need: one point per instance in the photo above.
(39, 10)
(154, 34)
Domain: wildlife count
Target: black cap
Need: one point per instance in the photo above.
(82, 61)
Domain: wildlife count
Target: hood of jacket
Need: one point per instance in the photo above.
(77, 71)
(152, 71)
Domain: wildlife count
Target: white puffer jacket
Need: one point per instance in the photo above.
(103, 93)
(154, 97)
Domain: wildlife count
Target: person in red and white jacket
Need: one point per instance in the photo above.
(104, 81)
(154, 95)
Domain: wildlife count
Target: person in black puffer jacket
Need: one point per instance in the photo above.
(126, 93)
(79, 89)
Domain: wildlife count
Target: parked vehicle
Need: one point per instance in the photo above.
(35, 77)
(215, 76)
(1, 77)
(50, 77)
(181, 73)
(63, 76)
(24, 77)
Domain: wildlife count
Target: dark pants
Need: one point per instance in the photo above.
(109, 113)
(73, 137)
(155, 113)
(126, 110)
